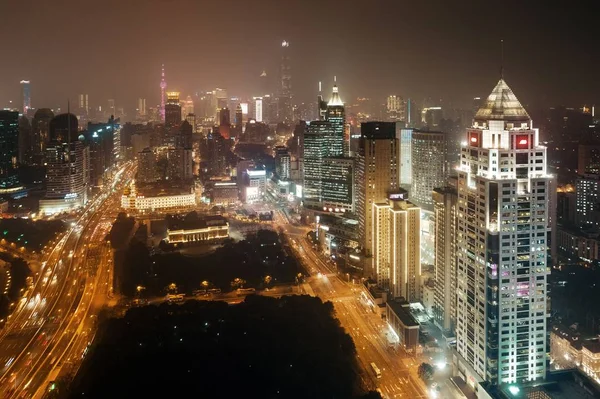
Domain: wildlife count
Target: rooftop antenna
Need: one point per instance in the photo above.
(501, 58)
(334, 79)
(319, 86)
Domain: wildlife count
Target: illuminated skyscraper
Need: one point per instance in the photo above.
(172, 110)
(25, 97)
(163, 87)
(502, 246)
(84, 105)
(315, 150)
(187, 107)
(258, 109)
(67, 167)
(285, 91)
(396, 108)
(41, 133)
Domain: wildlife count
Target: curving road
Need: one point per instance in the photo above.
(54, 319)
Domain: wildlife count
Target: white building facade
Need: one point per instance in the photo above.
(502, 248)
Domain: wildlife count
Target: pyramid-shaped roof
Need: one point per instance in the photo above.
(502, 104)
(335, 100)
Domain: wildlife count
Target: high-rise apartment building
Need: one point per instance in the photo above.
(445, 207)
(84, 105)
(25, 96)
(172, 110)
(502, 246)
(163, 87)
(396, 246)
(395, 109)
(587, 211)
(404, 135)
(9, 143)
(376, 174)
(429, 166)
(141, 108)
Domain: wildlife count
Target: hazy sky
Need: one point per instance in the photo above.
(435, 48)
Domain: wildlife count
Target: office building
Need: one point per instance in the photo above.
(191, 119)
(429, 166)
(258, 109)
(376, 174)
(337, 184)
(172, 110)
(396, 246)
(67, 167)
(315, 149)
(25, 97)
(285, 113)
(179, 164)
(255, 185)
(502, 246)
(445, 207)
(9, 145)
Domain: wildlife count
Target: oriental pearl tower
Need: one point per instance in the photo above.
(163, 86)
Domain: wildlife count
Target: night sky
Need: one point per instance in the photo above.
(418, 49)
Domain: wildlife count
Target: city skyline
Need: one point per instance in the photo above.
(430, 60)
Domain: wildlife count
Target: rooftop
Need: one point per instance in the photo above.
(402, 310)
(502, 104)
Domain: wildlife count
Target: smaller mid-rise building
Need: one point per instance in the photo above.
(255, 185)
(152, 198)
(403, 323)
(194, 229)
(225, 193)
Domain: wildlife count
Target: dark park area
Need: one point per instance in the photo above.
(291, 347)
(259, 261)
(31, 234)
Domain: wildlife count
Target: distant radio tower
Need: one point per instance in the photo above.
(163, 86)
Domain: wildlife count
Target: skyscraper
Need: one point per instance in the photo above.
(285, 91)
(396, 247)
(336, 115)
(41, 133)
(429, 166)
(395, 109)
(141, 108)
(163, 87)
(67, 173)
(502, 245)
(25, 96)
(376, 174)
(404, 135)
(315, 150)
(9, 146)
(445, 210)
(172, 110)
(84, 105)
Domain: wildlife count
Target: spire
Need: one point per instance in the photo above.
(502, 104)
(263, 74)
(335, 100)
(501, 58)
